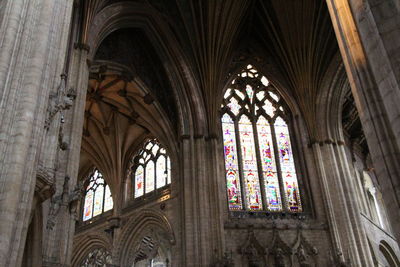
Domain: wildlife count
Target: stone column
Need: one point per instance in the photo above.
(202, 226)
(33, 39)
(368, 34)
(65, 203)
(343, 214)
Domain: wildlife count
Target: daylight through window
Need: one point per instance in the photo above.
(152, 169)
(98, 197)
(260, 169)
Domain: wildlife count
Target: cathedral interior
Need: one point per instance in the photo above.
(184, 133)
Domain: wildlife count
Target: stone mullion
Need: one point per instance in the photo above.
(259, 165)
(155, 174)
(104, 197)
(240, 164)
(94, 195)
(376, 92)
(144, 178)
(285, 206)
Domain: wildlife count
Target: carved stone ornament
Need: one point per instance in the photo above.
(60, 100)
(73, 199)
(225, 261)
(279, 251)
(66, 199)
(147, 248)
(44, 187)
(253, 251)
(97, 257)
(304, 251)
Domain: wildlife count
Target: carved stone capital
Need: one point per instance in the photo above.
(44, 187)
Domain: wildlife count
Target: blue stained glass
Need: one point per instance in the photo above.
(288, 170)
(272, 191)
(231, 163)
(249, 161)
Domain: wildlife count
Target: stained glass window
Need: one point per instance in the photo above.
(259, 163)
(231, 163)
(98, 197)
(139, 181)
(151, 168)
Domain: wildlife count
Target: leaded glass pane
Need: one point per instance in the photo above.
(161, 172)
(154, 150)
(288, 170)
(98, 200)
(108, 201)
(168, 170)
(269, 108)
(231, 163)
(234, 106)
(249, 162)
(240, 94)
(250, 92)
(153, 168)
(254, 102)
(271, 182)
(139, 181)
(264, 81)
(87, 209)
(150, 176)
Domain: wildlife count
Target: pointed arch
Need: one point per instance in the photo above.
(139, 224)
(85, 243)
(256, 133)
(189, 100)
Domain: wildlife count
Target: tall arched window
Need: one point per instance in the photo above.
(98, 197)
(259, 164)
(151, 169)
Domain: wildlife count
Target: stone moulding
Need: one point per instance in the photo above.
(44, 187)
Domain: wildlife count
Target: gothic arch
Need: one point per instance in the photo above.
(298, 128)
(136, 15)
(87, 242)
(330, 100)
(389, 254)
(139, 224)
(100, 147)
(269, 70)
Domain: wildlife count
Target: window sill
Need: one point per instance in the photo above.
(269, 215)
(97, 220)
(148, 198)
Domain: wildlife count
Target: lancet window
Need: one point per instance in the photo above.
(259, 161)
(151, 169)
(98, 197)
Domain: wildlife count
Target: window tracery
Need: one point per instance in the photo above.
(151, 169)
(98, 197)
(259, 163)
(97, 257)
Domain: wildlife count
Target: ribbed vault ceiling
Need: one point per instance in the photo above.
(119, 115)
(294, 35)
